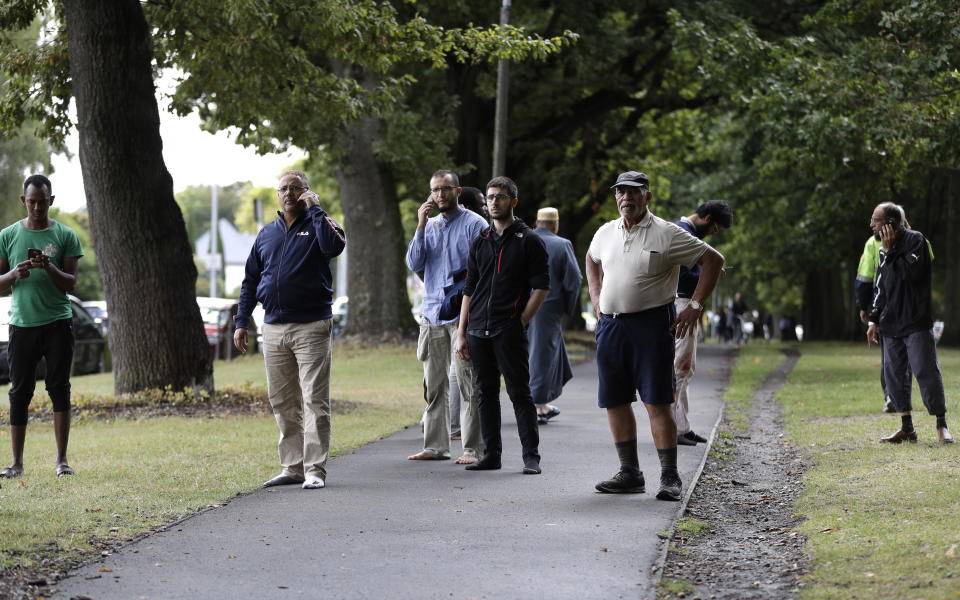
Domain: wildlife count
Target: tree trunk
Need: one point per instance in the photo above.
(940, 222)
(156, 334)
(379, 306)
(826, 309)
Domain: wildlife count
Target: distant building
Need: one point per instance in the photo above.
(235, 247)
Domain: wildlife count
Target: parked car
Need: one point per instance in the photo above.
(98, 310)
(89, 348)
(218, 323)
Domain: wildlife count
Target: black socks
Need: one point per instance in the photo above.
(941, 421)
(627, 451)
(668, 460)
(906, 423)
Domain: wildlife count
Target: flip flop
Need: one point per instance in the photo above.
(10, 473)
(554, 412)
(64, 470)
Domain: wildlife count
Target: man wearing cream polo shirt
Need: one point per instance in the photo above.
(633, 265)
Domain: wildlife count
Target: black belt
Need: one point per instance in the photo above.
(633, 315)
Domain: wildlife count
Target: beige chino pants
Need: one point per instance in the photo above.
(684, 365)
(437, 348)
(297, 357)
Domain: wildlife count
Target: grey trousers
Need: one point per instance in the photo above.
(915, 352)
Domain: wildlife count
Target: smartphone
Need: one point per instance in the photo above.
(34, 253)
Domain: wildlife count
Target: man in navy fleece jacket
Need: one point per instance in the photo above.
(288, 271)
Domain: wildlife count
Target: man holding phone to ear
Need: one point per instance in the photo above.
(439, 248)
(45, 254)
(902, 312)
(288, 271)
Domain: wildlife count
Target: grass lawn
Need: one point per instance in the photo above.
(883, 520)
(137, 474)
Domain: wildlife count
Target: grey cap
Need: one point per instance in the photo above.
(632, 178)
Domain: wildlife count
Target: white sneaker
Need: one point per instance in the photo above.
(313, 483)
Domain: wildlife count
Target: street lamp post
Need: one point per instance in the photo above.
(503, 88)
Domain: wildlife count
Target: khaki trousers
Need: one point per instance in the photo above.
(684, 364)
(297, 357)
(437, 348)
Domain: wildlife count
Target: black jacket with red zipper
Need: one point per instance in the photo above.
(501, 273)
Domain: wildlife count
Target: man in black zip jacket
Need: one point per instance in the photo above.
(507, 280)
(902, 312)
(288, 271)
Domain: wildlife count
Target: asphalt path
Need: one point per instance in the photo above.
(386, 527)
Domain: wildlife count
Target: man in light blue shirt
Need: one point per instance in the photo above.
(439, 250)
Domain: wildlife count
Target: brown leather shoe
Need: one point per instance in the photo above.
(944, 435)
(901, 436)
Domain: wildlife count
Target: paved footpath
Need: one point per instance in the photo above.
(386, 527)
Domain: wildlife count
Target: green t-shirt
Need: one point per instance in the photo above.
(36, 299)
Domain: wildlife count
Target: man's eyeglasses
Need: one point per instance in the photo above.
(443, 189)
(292, 188)
(497, 197)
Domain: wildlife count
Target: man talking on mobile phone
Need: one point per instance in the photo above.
(288, 271)
(902, 312)
(439, 249)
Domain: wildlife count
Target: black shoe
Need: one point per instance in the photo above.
(542, 419)
(670, 487)
(531, 466)
(487, 463)
(693, 435)
(683, 440)
(623, 483)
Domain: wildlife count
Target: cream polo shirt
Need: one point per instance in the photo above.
(641, 266)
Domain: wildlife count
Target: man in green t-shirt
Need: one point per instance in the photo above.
(44, 255)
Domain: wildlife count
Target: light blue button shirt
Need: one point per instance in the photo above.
(441, 250)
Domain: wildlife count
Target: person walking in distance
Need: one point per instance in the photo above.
(44, 254)
(288, 272)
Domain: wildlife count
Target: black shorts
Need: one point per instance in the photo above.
(635, 355)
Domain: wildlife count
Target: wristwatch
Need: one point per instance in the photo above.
(695, 306)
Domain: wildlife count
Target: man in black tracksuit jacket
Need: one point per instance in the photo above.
(902, 312)
(507, 280)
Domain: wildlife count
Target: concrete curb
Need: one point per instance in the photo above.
(657, 569)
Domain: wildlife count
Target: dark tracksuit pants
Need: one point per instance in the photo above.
(914, 352)
(505, 354)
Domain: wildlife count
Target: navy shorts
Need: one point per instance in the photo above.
(635, 355)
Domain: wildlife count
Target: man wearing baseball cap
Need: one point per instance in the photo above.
(633, 266)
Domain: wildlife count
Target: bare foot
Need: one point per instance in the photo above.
(466, 459)
(427, 455)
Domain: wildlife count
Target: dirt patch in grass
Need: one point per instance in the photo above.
(746, 493)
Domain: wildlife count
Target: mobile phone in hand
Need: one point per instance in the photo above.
(34, 253)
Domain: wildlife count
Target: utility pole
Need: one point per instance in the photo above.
(213, 266)
(503, 89)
